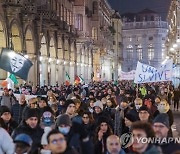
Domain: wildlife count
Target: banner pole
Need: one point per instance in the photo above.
(137, 90)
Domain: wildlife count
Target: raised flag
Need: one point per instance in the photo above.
(81, 79)
(15, 63)
(12, 77)
(67, 82)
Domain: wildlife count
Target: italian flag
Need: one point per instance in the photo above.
(77, 80)
(81, 79)
(12, 81)
(67, 82)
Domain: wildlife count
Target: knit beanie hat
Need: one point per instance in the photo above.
(130, 117)
(98, 104)
(4, 109)
(64, 119)
(31, 113)
(162, 118)
(144, 108)
(68, 102)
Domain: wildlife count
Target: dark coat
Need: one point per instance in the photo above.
(10, 126)
(35, 134)
(170, 147)
(75, 139)
(17, 111)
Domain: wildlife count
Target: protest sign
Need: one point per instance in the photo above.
(127, 75)
(145, 73)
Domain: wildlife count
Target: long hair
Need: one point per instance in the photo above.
(109, 131)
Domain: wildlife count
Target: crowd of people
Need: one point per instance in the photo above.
(94, 118)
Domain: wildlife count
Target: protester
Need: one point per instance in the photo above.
(17, 109)
(23, 143)
(144, 114)
(31, 127)
(6, 142)
(161, 128)
(144, 130)
(102, 132)
(6, 99)
(57, 143)
(75, 134)
(9, 123)
(164, 107)
(114, 145)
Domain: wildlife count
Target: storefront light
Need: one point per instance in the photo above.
(50, 59)
(57, 61)
(175, 45)
(40, 58)
(171, 49)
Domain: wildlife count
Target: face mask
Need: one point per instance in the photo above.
(161, 109)
(137, 107)
(64, 130)
(91, 110)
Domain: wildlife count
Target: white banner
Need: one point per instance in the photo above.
(145, 73)
(127, 75)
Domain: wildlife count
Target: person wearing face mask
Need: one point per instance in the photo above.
(75, 134)
(137, 104)
(164, 107)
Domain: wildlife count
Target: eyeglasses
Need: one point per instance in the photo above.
(60, 140)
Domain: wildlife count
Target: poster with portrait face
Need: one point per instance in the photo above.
(15, 63)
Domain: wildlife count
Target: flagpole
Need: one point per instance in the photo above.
(137, 90)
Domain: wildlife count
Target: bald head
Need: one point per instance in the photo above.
(113, 144)
(22, 99)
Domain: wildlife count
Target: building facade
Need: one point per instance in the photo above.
(173, 38)
(117, 44)
(144, 36)
(58, 36)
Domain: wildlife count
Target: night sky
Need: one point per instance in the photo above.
(124, 6)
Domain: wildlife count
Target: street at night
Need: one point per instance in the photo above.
(89, 76)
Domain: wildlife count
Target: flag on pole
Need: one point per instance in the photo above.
(81, 79)
(15, 63)
(12, 77)
(67, 82)
(77, 80)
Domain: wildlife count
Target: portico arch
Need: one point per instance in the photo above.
(2, 45)
(16, 37)
(30, 48)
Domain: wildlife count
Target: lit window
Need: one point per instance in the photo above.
(79, 22)
(94, 33)
(139, 52)
(129, 52)
(150, 52)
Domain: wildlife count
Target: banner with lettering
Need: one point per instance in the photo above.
(127, 75)
(145, 73)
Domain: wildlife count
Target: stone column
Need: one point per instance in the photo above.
(44, 71)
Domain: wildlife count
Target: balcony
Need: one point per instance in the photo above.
(12, 2)
(47, 14)
(145, 25)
